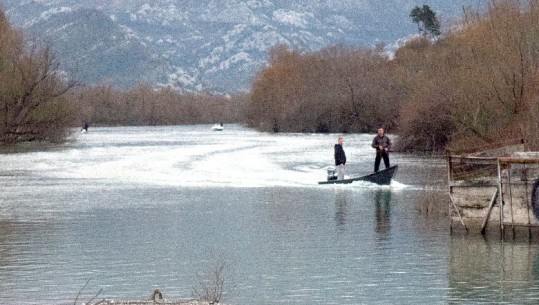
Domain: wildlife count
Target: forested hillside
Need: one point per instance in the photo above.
(475, 84)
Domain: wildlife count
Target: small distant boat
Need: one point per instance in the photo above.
(382, 177)
(217, 127)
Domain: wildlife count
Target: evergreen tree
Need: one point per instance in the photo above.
(426, 20)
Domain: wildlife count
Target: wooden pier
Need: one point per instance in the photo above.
(494, 190)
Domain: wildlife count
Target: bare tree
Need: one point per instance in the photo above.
(337, 89)
(32, 100)
(212, 284)
(91, 299)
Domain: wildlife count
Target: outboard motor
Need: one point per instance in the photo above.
(332, 173)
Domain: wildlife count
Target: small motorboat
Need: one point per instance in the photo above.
(218, 127)
(382, 177)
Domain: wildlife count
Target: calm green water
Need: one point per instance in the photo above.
(133, 209)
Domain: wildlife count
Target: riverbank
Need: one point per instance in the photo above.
(152, 302)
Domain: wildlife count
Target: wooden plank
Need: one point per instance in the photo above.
(490, 206)
(518, 160)
(501, 197)
(457, 210)
(488, 147)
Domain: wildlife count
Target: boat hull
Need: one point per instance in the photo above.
(217, 128)
(382, 177)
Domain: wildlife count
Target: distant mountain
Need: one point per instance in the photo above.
(215, 45)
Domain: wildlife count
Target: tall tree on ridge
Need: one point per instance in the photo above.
(426, 20)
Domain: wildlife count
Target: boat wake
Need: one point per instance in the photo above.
(192, 156)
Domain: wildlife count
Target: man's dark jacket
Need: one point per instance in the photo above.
(381, 141)
(340, 156)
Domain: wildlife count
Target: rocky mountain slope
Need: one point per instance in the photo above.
(215, 45)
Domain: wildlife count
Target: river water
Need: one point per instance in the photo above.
(131, 209)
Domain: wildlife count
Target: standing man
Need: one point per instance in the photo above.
(382, 144)
(340, 158)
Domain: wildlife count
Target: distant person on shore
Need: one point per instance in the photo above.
(382, 144)
(340, 158)
(85, 127)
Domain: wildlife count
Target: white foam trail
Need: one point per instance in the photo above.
(194, 156)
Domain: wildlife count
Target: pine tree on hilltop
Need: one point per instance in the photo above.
(426, 20)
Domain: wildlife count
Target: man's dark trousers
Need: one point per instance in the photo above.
(379, 155)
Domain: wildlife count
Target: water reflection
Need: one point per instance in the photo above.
(493, 272)
(5, 239)
(382, 201)
(25, 252)
(340, 209)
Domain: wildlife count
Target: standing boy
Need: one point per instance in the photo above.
(340, 158)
